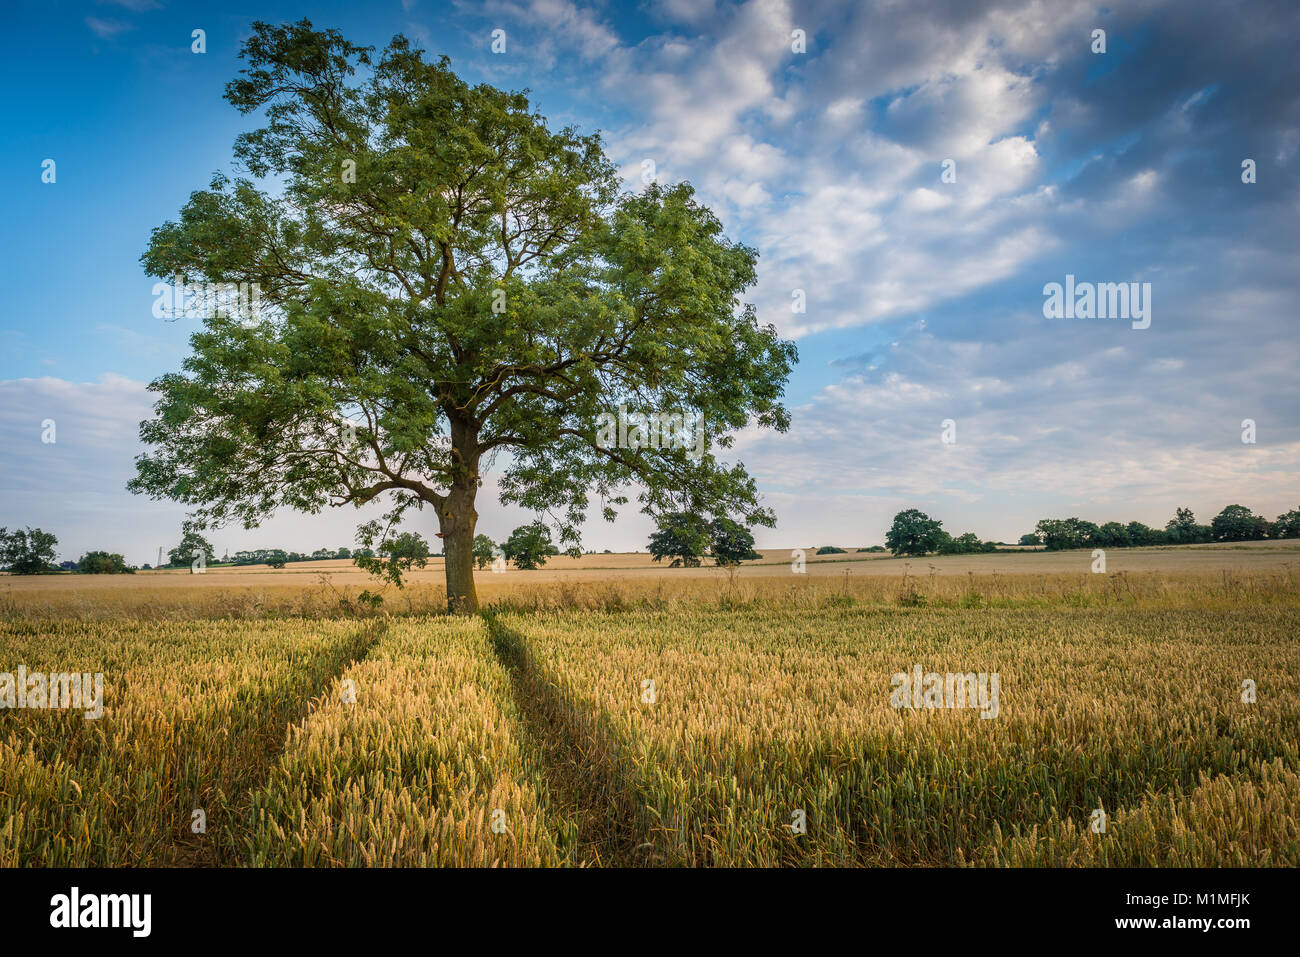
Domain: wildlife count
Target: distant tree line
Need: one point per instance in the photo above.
(684, 537)
(278, 557)
(1236, 523)
(915, 533)
(30, 551)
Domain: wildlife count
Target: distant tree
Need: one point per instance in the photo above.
(831, 550)
(344, 552)
(389, 557)
(1183, 530)
(967, 543)
(1287, 524)
(104, 563)
(1139, 535)
(730, 542)
(321, 554)
(1055, 534)
(1030, 538)
(147, 567)
(409, 549)
(1179, 528)
(1112, 535)
(681, 536)
(1237, 523)
(1061, 533)
(914, 533)
(192, 545)
(483, 551)
(277, 557)
(528, 546)
(27, 551)
(71, 566)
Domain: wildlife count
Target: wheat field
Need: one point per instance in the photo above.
(700, 719)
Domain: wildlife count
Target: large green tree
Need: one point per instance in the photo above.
(192, 545)
(1113, 535)
(444, 278)
(1183, 529)
(1062, 533)
(914, 533)
(28, 551)
(1287, 524)
(484, 551)
(104, 563)
(681, 536)
(528, 546)
(1237, 523)
(1139, 534)
(730, 542)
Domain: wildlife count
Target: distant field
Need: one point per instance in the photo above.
(1242, 556)
(1194, 575)
(632, 714)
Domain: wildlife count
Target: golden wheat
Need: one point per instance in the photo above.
(191, 712)
(692, 722)
(410, 765)
(759, 715)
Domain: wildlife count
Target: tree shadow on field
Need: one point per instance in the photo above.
(579, 757)
(256, 726)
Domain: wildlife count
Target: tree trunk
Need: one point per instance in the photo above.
(457, 519)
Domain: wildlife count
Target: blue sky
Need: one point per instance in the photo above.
(924, 297)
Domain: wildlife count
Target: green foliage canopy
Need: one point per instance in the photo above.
(444, 278)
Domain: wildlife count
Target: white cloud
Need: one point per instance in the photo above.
(107, 29)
